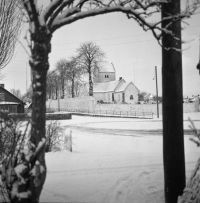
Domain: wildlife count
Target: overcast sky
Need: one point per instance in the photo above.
(133, 52)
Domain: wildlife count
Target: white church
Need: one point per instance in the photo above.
(109, 90)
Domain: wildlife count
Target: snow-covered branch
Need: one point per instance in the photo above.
(62, 12)
(51, 8)
(32, 11)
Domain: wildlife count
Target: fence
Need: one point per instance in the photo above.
(125, 114)
(108, 113)
(88, 105)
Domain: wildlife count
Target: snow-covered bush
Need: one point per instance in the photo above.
(56, 138)
(191, 192)
(53, 136)
(11, 137)
(12, 141)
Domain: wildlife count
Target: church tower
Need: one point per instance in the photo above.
(105, 73)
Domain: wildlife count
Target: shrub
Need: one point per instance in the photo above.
(192, 189)
(53, 136)
(12, 142)
(56, 140)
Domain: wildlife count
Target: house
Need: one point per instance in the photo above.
(9, 103)
(109, 90)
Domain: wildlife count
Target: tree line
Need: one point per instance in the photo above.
(71, 76)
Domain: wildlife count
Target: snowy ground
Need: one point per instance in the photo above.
(108, 167)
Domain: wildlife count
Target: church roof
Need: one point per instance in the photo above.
(124, 85)
(106, 86)
(112, 86)
(107, 67)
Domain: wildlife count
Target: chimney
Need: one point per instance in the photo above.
(120, 78)
(2, 85)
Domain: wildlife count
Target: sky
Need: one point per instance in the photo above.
(134, 52)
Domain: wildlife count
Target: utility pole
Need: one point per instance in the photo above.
(156, 77)
(198, 65)
(172, 102)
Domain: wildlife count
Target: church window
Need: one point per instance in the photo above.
(113, 97)
(131, 97)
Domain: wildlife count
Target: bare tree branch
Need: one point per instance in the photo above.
(10, 21)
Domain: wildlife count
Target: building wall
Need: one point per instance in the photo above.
(8, 97)
(118, 97)
(86, 104)
(103, 96)
(9, 108)
(131, 90)
(105, 77)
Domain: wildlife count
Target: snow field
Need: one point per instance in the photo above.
(106, 168)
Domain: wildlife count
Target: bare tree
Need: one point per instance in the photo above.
(71, 71)
(50, 85)
(53, 85)
(17, 93)
(43, 21)
(61, 66)
(74, 73)
(90, 56)
(28, 95)
(10, 21)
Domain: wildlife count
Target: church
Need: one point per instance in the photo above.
(107, 89)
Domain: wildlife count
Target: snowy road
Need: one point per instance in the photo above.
(107, 168)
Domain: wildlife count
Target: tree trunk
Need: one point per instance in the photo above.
(30, 171)
(39, 66)
(56, 91)
(63, 88)
(173, 135)
(73, 88)
(90, 83)
(192, 191)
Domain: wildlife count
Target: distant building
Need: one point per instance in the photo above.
(109, 90)
(105, 74)
(9, 103)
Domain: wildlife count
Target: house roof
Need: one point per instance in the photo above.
(124, 85)
(107, 67)
(112, 86)
(106, 86)
(6, 91)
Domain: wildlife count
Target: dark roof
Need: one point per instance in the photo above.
(12, 95)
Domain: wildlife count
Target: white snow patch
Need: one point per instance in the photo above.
(107, 168)
(19, 169)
